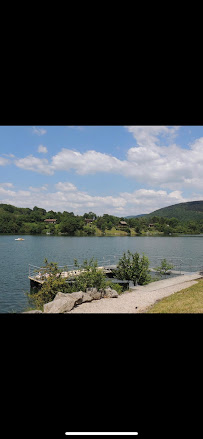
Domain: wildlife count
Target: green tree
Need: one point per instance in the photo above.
(103, 227)
(90, 215)
(89, 277)
(138, 229)
(89, 230)
(164, 268)
(53, 283)
(70, 225)
(133, 267)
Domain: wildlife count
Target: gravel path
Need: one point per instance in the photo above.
(139, 298)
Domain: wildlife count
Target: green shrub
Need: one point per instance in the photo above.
(51, 286)
(133, 267)
(114, 286)
(164, 267)
(90, 277)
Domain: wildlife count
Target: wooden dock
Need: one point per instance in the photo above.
(38, 275)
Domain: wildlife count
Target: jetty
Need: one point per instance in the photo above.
(38, 275)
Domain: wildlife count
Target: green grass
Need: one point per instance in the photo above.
(113, 232)
(189, 300)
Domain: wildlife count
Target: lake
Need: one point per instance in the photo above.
(185, 252)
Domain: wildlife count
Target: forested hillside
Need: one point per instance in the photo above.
(181, 218)
(32, 221)
(192, 210)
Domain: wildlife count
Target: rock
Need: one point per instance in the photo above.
(109, 293)
(77, 296)
(94, 293)
(86, 298)
(114, 293)
(59, 295)
(101, 290)
(60, 305)
(33, 311)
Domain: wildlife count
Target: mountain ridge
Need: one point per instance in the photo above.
(190, 210)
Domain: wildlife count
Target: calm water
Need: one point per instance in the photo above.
(15, 257)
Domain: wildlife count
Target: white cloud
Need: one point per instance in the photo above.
(149, 135)
(89, 162)
(66, 187)
(9, 155)
(168, 167)
(68, 197)
(38, 189)
(35, 164)
(38, 131)
(43, 149)
(3, 161)
(146, 201)
(7, 193)
(6, 184)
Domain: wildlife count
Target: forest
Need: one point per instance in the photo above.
(19, 220)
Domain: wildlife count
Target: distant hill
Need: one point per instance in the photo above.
(135, 216)
(190, 211)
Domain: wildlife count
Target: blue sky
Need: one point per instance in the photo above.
(120, 170)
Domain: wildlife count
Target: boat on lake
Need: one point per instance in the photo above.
(19, 239)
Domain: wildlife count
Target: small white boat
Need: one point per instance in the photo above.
(19, 239)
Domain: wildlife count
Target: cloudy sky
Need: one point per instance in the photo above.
(119, 170)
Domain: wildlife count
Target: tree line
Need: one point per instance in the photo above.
(17, 220)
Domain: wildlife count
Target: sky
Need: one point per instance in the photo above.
(119, 170)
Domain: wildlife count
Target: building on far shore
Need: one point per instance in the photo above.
(88, 220)
(123, 223)
(50, 221)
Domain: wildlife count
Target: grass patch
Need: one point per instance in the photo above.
(189, 300)
(114, 232)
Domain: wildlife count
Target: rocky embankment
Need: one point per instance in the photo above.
(63, 303)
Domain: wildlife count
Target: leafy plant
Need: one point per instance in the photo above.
(164, 268)
(53, 283)
(133, 267)
(89, 277)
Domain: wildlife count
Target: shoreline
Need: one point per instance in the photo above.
(138, 299)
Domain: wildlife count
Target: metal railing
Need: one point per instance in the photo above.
(179, 265)
(40, 273)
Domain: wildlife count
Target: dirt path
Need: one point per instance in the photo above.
(139, 298)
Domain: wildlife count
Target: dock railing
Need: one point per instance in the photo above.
(38, 273)
(180, 265)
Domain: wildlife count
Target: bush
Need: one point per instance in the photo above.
(134, 268)
(89, 277)
(51, 286)
(164, 267)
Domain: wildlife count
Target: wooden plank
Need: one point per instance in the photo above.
(36, 280)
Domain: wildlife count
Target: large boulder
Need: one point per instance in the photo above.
(77, 296)
(94, 293)
(109, 293)
(86, 298)
(59, 295)
(60, 305)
